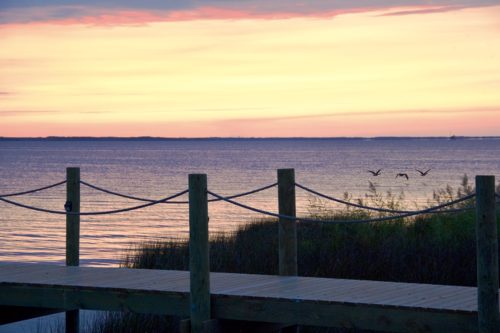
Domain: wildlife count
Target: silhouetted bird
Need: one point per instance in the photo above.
(402, 175)
(423, 173)
(375, 173)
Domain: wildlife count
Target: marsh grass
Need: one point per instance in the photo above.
(127, 322)
(433, 248)
(436, 249)
(53, 326)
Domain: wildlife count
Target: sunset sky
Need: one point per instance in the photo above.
(250, 68)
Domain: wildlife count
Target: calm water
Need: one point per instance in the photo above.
(156, 169)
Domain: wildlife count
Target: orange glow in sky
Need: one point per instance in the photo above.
(210, 72)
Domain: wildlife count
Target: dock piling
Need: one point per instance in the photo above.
(287, 228)
(487, 255)
(72, 236)
(199, 265)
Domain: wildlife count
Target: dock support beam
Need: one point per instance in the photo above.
(487, 255)
(199, 265)
(72, 236)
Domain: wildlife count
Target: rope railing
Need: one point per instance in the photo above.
(378, 219)
(377, 209)
(260, 189)
(217, 197)
(115, 211)
(32, 191)
(151, 202)
(247, 193)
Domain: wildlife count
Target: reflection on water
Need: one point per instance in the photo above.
(156, 169)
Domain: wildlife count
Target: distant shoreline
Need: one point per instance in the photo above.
(149, 138)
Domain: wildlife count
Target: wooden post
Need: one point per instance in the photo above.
(287, 228)
(487, 255)
(198, 252)
(72, 236)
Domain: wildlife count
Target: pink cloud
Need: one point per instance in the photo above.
(141, 12)
(479, 122)
(104, 17)
(423, 10)
(441, 122)
(370, 114)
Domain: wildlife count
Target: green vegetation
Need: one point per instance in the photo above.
(433, 248)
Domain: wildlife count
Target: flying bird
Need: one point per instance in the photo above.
(422, 173)
(402, 175)
(375, 173)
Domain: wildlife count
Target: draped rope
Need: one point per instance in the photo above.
(32, 191)
(115, 211)
(378, 219)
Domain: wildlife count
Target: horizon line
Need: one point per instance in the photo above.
(52, 137)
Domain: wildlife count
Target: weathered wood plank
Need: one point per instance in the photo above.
(392, 319)
(94, 276)
(106, 299)
(252, 285)
(449, 299)
(400, 294)
(15, 271)
(230, 282)
(350, 291)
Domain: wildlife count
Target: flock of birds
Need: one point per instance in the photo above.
(401, 174)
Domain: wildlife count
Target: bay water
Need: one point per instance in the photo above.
(153, 168)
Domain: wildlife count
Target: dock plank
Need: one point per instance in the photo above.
(395, 307)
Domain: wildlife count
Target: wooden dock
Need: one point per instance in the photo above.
(386, 306)
(207, 299)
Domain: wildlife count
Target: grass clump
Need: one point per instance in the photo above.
(430, 249)
(127, 322)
